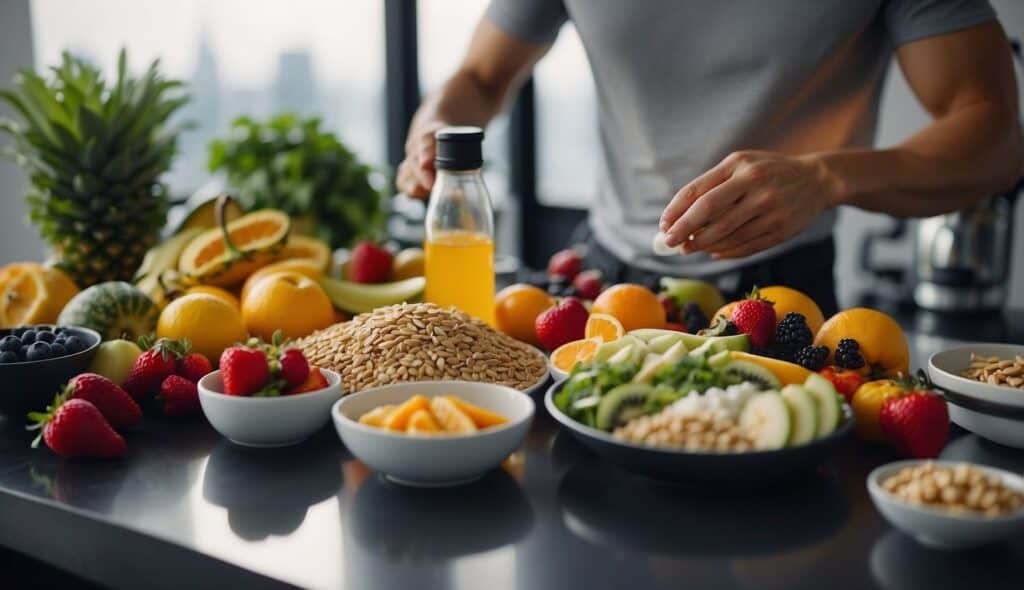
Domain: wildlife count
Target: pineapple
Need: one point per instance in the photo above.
(94, 154)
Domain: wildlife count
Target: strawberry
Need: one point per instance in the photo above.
(314, 381)
(562, 323)
(369, 263)
(78, 429)
(565, 263)
(916, 423)
(294, 368)
(675, 327)
(179, 396)
(588, 284)
(153, 366)
(194, 366)
(756, 318)
(114, 403)
(846, 382)
(244, 371)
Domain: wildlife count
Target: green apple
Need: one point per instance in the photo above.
(114, 359)
(707, 297)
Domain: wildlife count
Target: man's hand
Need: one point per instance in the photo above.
(749, 202)
(416, 172)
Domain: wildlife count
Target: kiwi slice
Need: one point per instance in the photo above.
(622, 404)
(740, 371)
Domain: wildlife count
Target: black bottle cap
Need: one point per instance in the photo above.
(458, 148)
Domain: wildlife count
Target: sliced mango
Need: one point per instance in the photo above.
(399, 418)
(481, 417)
(377, 416)
(422, 422)
(454, 420)
(788, 373)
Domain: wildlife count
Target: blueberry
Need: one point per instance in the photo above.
(46, 337)
(10, 343)
(8, 356)
(23, 352)
(43, 328)
(39, 351)
(60, 330)
(28, 337)
(57, 350)
(74, 344)
(19, 331)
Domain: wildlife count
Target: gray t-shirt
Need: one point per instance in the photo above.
(681, 84)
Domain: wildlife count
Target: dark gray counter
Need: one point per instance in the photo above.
(189, 509)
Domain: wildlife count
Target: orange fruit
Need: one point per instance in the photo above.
(210, 323)
(882, 342)
(634, 306)
(422, 422)
(567, 355)
(516, 308)
(305, 248)
(867, 405)
(31, 293)
(304, 266)
(287, 301)
(452, 419)
(398, 419)
(785, 300)
(603, 326)
(724, 312)
(222, 294)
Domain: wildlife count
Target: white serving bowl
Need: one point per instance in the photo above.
(938, 528)
(268, 421)
(1000, 429)
(944, 371)
(434, 461)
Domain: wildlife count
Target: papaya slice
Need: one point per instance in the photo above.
(399, 418)
(224, 256)
(481, 417)
(306, 248)
(454, 420)
(422, 422)
(377, 416)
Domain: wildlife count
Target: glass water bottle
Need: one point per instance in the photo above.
(459, 244)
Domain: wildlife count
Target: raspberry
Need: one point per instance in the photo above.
(792, 334)
(848, 354)
(812, 357)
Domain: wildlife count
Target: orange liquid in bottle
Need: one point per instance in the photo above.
(459, 268)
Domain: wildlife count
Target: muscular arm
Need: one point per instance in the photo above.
(495, 65)
(973, 148)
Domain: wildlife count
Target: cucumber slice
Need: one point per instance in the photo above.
(766, 418)
(803, 412)
(827, 397)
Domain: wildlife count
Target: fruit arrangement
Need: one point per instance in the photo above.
(259, 369)
(39, 343)
(443, 415)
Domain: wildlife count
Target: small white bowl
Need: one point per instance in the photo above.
(999, 429)
(944, 371)
(434, 461)
(268, 421)
(938, 528)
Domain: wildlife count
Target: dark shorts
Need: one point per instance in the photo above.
(806, 268)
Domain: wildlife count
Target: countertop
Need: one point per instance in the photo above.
(188, 509)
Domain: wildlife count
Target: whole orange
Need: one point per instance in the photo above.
(882, 342)
(516, 308)
(635, 306)
(724, 312)
(288, 301)
(786, 299)
(222, 294)
(305, 266)
(210, 323)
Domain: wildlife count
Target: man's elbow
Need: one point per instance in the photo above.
(1010, 165)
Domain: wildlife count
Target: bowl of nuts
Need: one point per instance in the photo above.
(984, 385)
(949, 505)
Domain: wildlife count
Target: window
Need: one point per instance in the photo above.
(238, 57)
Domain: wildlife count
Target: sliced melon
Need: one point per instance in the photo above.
(226, 255)
(802, 412)
(829, 411)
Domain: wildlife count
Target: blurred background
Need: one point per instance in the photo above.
(361, 66)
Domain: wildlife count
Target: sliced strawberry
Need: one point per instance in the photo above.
(315, 381)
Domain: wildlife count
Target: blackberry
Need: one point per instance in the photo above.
(848, 354)
(693, 318)
(812, 357)
(792, 334)
(8, 356)
(10, 344)
(766, 352)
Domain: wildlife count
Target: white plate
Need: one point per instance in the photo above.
(938, 528)
(944, 371)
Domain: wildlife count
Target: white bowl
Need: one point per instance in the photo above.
(944, 371)
(938, 528)
(268, 421)
(1000, 429)
(434, 461)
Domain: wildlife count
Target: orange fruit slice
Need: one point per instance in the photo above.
(454, 420)
(422, 422)
(377, 416)
(399, 418)
(565, 357)
(482, 417)
(635, 306)
(23, 300)
(603, 326)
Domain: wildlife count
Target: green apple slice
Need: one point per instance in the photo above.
(672, 356)
(660, 344)
(829, 411)
(607, 349)
(803, 413)
(766, 417)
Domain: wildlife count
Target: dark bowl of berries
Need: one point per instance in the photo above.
(35, 361)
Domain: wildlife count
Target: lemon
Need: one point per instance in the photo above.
(210, 323)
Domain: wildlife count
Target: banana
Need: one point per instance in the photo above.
(164, 256)
(361, 298)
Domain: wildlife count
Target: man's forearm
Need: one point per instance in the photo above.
(462, 100)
